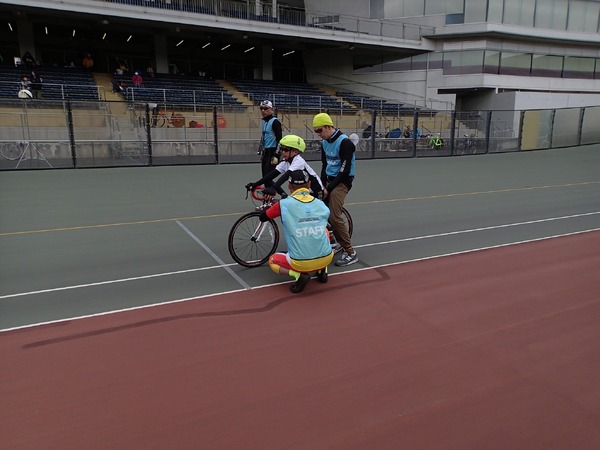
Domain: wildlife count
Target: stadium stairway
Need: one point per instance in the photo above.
(238, 95)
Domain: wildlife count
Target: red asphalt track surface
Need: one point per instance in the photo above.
(500, 350)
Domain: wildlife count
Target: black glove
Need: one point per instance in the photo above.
(270, 191)
(250, 186)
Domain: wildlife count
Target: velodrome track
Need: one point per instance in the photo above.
(471, 321)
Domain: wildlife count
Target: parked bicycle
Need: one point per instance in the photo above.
(252, 242)
(21, 150)
(466, 146)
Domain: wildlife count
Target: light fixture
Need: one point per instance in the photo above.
(10, 26)
(73, 32)
(289, 53)
(129, 38)
(226, 47)
(104, 36)
(46, 30)
(206, 45)
(179, 43)
(249, 50)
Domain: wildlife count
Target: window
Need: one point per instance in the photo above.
(470, 61)
(547, 66)
(495, 11)
(583, 16)
(515, 63)
(491, 62)
(519, 12)
(579, 67)
(551, 14)
(475, 10)
(443, 7)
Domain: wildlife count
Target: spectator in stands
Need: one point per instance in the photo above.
(118, 87)
(121, 68)
(137, 80)
(36, 84)
(88, 62)
(28, 60)
(24, 83)
(270, 137)
(150, 71)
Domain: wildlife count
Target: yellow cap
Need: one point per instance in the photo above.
(322, 119)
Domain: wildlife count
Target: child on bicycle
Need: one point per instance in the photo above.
(290, 146)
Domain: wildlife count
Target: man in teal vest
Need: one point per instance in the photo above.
(304, 219)
(270, 137)
(337, 174)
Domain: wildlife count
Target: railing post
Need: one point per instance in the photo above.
(415, 126)
(452, 131)
(148, 134)
(215, 136)
(71, 134)
(488, 132)
(373, 133)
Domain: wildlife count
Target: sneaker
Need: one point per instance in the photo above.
(322, 275)
(346, 259)
(299, 285)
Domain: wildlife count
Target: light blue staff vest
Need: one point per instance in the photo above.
(268, 135)
(332, 154)
(304, 221)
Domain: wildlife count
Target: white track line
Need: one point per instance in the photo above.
(246, 286)
(170, 302)
(214, 256)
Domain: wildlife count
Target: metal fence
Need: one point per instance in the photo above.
(250, 10)
(35, 135)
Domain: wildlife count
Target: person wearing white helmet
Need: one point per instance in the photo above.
(270, 137)
(291, 147)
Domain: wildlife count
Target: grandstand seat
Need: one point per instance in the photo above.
(289, 94)
(178, 89)
(60, 83)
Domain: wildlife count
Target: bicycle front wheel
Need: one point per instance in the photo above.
(11, 151)
(252, 242)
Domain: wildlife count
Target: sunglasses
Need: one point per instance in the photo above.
(319, 130)
(264, 108)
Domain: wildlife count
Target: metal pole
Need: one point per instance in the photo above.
(71, 134)
(373, 124)
(148, 134)
(215, 134)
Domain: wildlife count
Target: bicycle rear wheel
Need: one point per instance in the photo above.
(251, 242)
(11, 151)
(348, 220)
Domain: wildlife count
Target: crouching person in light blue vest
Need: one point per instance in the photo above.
(304, 219)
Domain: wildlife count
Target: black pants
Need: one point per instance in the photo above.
(265, 161)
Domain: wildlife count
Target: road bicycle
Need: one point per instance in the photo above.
(175, 120)
(21, 150)
(466, 146)
(252, 242)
